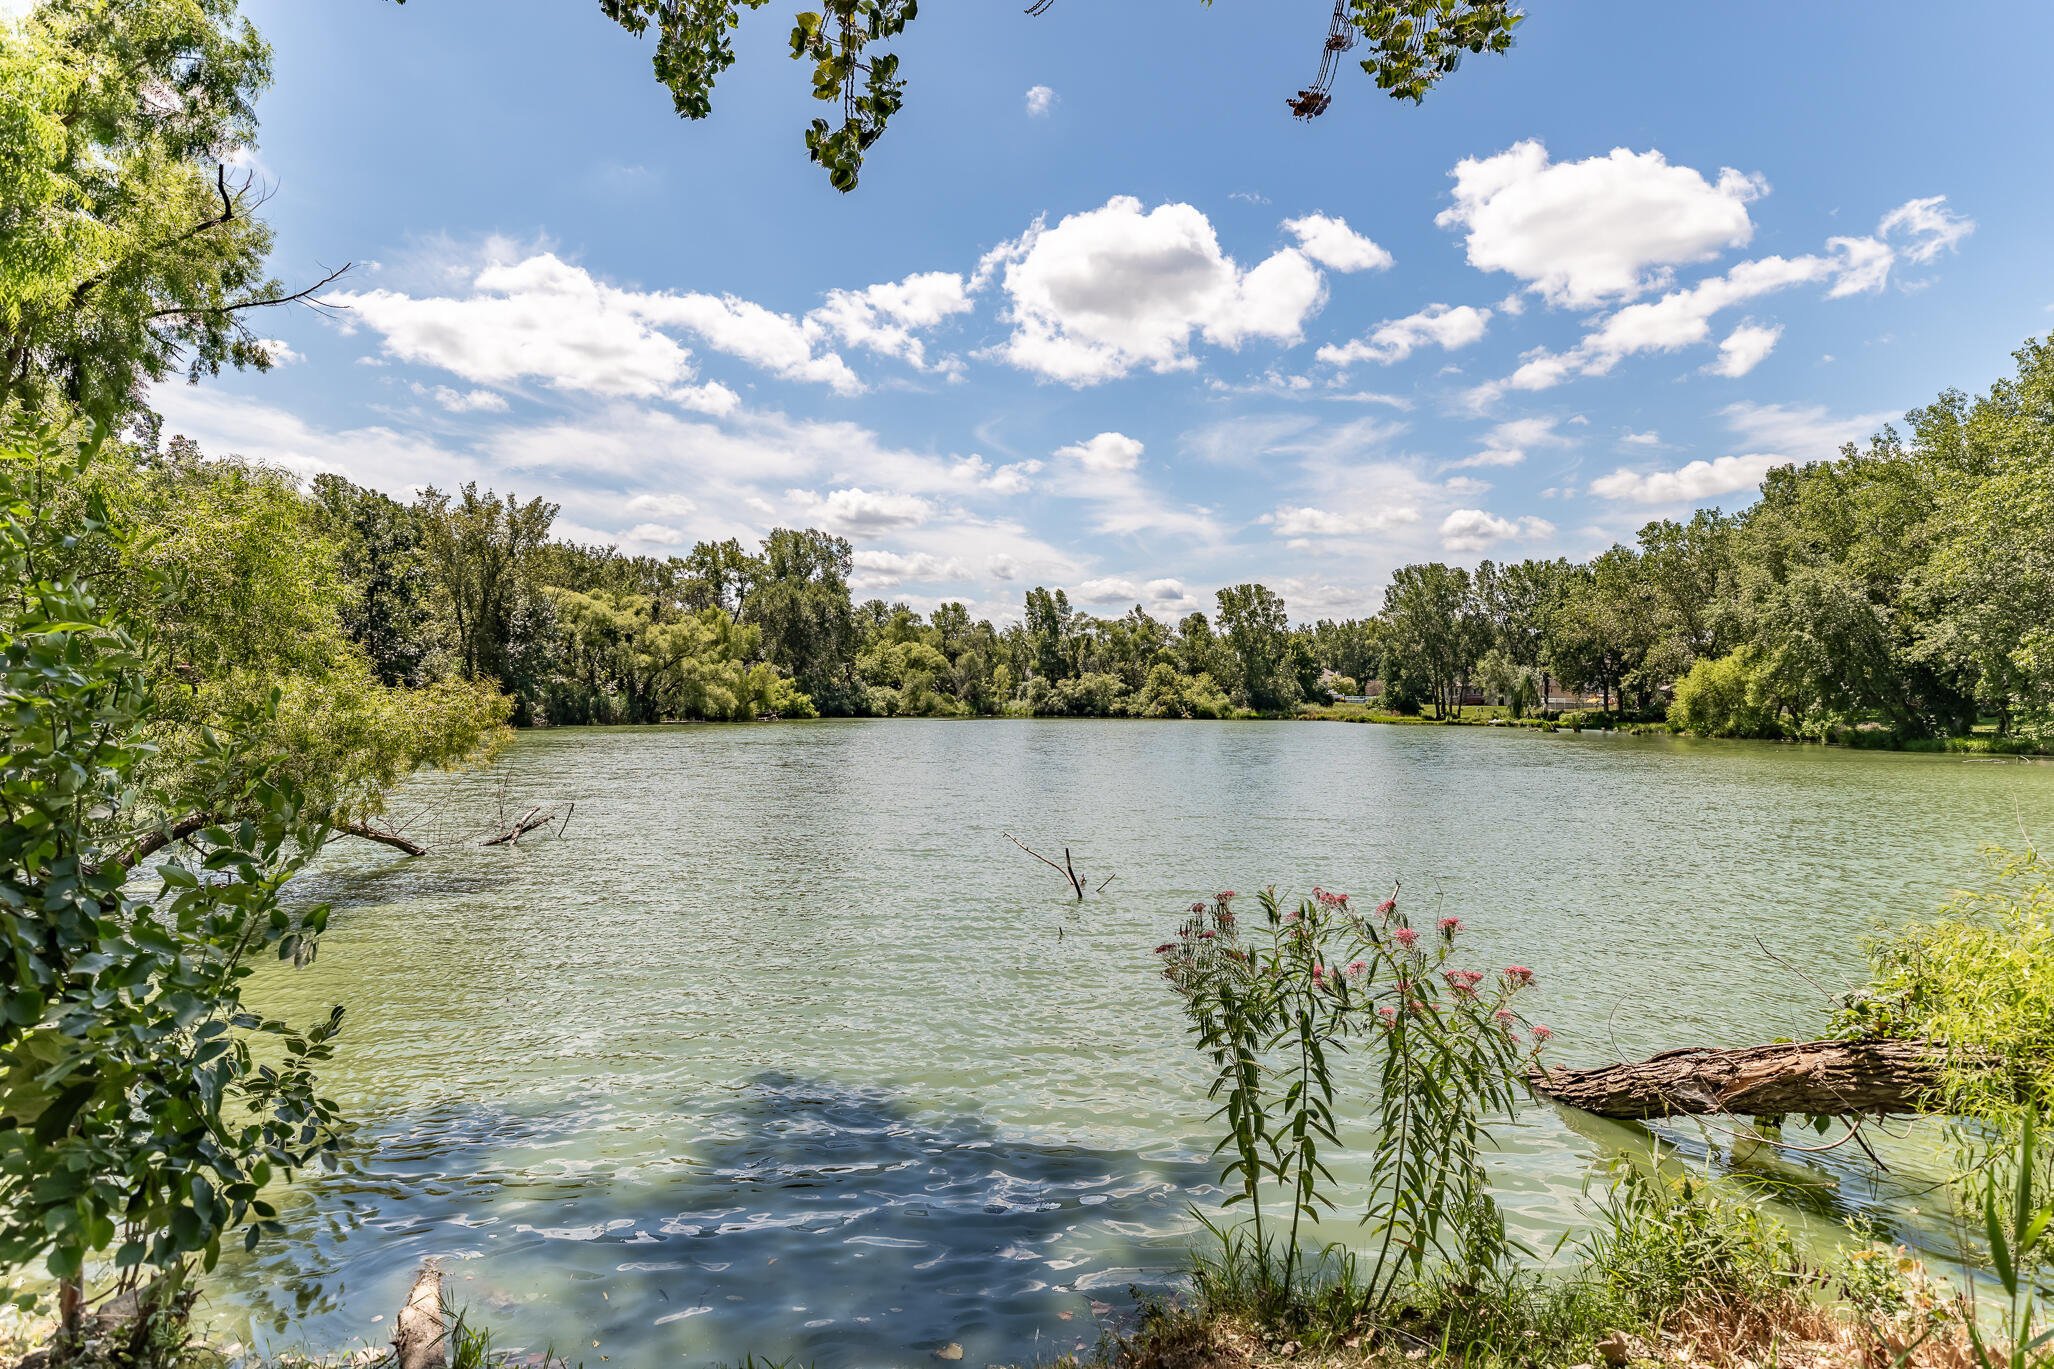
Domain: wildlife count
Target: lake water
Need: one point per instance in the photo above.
(783, 1049)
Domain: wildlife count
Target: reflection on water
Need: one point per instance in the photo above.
(782, 1049)
(804, 1220)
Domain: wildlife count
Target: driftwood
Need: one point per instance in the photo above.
(417, 1340)
(1818, 1078)
(1066, 869)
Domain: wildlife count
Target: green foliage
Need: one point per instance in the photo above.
(1665, 1242)
(1979, 982)
(1277, 1011)
(1413, 46)
(1256, 634)
(126, 248)
(1723, 698)
(142, 1119)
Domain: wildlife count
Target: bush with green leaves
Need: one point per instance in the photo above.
(1283, 1007)
(143, 1106)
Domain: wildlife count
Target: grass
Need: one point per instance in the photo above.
(1676, 1271)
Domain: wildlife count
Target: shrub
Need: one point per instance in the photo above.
(1722, 698)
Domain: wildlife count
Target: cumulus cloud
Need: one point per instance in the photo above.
(1773, 435)
(546, 319)
(1393, 340)
(888, 569)
(1331, 242)
(1108, 589)
(1310, 522)
(861, 512)
(884, 318)
(280, 352)
(1695, 480)
(1476, 530)
(1040, 100)
(1680, 318)
(1106, 469)
(1116, 289)
(1744, 348)
(1597, 231)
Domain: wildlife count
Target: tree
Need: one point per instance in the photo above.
(719, 575)
(139, 1119)
(1049, 620)
(386, 610)
(482, 549)
(128, 249)
(1435, 631)
(1413, 45)
(1257, 637)
(801, 603)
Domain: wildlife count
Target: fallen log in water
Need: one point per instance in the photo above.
(417, 1341)
(1818, 1078)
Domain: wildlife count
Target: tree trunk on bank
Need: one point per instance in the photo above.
(417, 1343)
(1819, 1078)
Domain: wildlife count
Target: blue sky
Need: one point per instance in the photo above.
(1102, 315)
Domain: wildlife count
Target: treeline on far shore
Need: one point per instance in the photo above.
(1904, 591)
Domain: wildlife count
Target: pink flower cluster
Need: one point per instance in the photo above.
(1450, 926)
(1328, 900)
(1518, 976)
(1357, 968)
(1385, 908)
(1198, 907)
(1463, 982)
(1541, 1034)
(1406, 937)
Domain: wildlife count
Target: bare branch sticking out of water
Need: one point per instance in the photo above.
(1066, 870)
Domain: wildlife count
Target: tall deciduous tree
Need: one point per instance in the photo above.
(129, 244)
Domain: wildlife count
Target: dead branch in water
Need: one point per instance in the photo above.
(381, 834)
(530, 820)
(1066, 870)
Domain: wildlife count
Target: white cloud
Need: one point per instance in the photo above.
(1167, 597)
(281, 353)
(1107, 470)
(1115, 289)
(1603, 229)
(546, 319)
(887, 569)
(1395, 339)
(1680, 318)
(1650, 438)
(1463, 486)
(1331, 242)
(1107, 452)
(1310, 522)
(1108, 590)
(1744, 349)
(861, 512)
(656, 535)
(662, 505)
(1696, 480)
(1917, 230)
(1508, 443)
(1772, 435)
(884, 318)
(462, 402)
(1801, 433)
(1932, 227)
(1040, 100)
(1475, 530)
